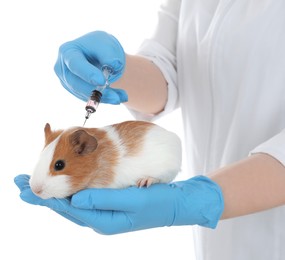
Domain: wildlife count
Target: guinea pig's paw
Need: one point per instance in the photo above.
(147, 181)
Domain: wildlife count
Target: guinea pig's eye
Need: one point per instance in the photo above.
(59, 165)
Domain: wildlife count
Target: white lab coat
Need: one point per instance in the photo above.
(224, 61)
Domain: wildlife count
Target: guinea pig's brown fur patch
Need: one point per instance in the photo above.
(96, 168)
(132, 134)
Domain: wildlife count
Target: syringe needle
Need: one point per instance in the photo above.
(87, 116)
(84, 121)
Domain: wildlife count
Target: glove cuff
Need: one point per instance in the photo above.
(203, 202)
(214, 202)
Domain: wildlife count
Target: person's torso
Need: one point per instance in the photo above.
(231, 75)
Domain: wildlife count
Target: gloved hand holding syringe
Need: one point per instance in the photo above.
(91, 63)
(95, 98)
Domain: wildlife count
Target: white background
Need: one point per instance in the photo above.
(31, 95)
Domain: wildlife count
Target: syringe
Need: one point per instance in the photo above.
(96, 95)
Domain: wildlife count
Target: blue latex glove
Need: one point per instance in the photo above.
(198, 200)
(79, 66)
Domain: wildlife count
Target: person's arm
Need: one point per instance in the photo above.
(145, 85)
(143, 82)
(150, 79)
(251, 185)
(135, 80)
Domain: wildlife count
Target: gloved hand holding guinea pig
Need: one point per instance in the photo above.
(117, 178)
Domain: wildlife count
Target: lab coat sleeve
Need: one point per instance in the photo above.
(160, 48)
(275, 147)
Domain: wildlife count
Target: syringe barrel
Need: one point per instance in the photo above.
(94, 101)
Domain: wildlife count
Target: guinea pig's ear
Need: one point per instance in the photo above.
(82, 142)
(47, 131)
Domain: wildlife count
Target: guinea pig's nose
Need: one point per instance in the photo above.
(37, 190)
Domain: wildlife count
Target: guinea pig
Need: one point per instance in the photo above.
(116, 156)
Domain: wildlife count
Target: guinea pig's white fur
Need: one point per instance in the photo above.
(116, 156)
